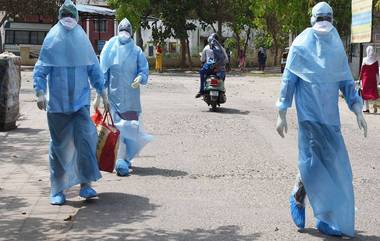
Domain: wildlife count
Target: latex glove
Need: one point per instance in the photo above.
(136, 83)
(106, 103)
(282, 125)
(357, 109)
(41, 101)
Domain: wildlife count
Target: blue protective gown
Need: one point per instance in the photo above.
(121, 64)
(64, 76)
(323, 160)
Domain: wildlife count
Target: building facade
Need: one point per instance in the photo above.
(24, 36)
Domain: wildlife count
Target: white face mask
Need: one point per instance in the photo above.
(124, 37)
(323, 27)
(69, 23)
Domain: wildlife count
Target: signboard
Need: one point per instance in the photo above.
(361, 28)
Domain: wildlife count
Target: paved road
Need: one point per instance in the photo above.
(207, 176)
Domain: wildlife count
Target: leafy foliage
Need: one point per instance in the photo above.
(22, 8)
(271, 20)
(135, 10)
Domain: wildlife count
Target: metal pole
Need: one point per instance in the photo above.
(361, 56)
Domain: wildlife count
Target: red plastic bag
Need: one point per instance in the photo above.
(106, 149)
(97, 118)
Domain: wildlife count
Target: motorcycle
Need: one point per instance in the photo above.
(215, 93)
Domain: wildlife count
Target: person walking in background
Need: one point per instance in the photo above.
(159, 58)
(241, 60)
(125, 68)
(262, 57)
(369, 76)
(67, 61)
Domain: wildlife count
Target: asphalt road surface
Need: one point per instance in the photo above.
(217, 176)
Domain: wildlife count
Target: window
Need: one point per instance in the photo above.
(24, 37)
(100, 25)
(9, 37)
(33, 37)
(21, 37)
(40, 37)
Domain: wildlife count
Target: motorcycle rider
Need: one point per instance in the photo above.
(214, 59)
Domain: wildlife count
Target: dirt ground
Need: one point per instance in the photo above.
(206, 176)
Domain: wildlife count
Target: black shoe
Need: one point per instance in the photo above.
(198, 95)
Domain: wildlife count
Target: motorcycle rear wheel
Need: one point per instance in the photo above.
(213, 106)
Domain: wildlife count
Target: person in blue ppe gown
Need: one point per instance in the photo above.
(66, 62)
(316, 69)
(125, 68)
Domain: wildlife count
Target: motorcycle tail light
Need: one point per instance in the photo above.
(214, 82)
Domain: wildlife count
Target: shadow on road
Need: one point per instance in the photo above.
(358, 237)
(11, 203)
(105, 218)
(231, 232)
(108, 217)
(154, 171)
(16, 224)
(231, 111)
(101, 217)
(24, 145)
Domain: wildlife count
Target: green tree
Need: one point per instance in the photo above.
(271, 18)
(160, 33)
(136, 11)
(175, 16)
(242, 24)
(213, 12)
(278, 18)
